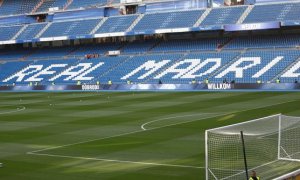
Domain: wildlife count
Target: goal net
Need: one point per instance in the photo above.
(272, 146)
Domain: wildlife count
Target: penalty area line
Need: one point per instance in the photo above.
(116, 161)
(118, 135)
(138, 131)
(174, 117)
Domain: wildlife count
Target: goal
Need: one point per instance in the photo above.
(270, 143)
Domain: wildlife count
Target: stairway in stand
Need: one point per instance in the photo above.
(37, 6)
(68, 4)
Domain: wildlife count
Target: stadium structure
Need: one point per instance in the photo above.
(58, 42)
(49, 46)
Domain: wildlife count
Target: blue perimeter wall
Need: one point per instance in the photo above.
(157, 87)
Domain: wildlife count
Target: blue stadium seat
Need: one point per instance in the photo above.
(290, 74)
(68, 28)
(46, 53)
(31, 31)
(10, 68)
(100, 49)
(189, 45)
(274, 12)
(71, 64)
(221, 16)
(8, 32)
(266, 41)
(137, 47)
(216, 66)
(135, 62)
(110, 63)
(50, 4)
(116, 24)
(10, 7)
(47, 63)
(89, 3)
(201, 76)
(27, 6)
(13, 54)
(178, 19)
(289, 56)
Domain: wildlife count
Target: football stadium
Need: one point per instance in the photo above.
(150, 89)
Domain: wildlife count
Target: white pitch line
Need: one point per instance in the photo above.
(133, 132)
(82, 142)
(118, 135)
(22, 108)
(250, 169)
(118, 161)
(174, 117)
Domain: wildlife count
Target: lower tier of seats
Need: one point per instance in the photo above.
(175, 68)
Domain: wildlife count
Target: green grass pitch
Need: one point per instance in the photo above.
(116, 136)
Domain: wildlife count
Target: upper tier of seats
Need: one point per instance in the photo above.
(8, 32)
(70, 28)
(12, 7)
(274, 12)
(221, 16)
(50, 4)
(31, 31)
(142, 23)
(166, 20)
(116, 24)
(217, 16)
(87, 3)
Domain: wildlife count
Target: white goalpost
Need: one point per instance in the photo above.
(268, 143)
